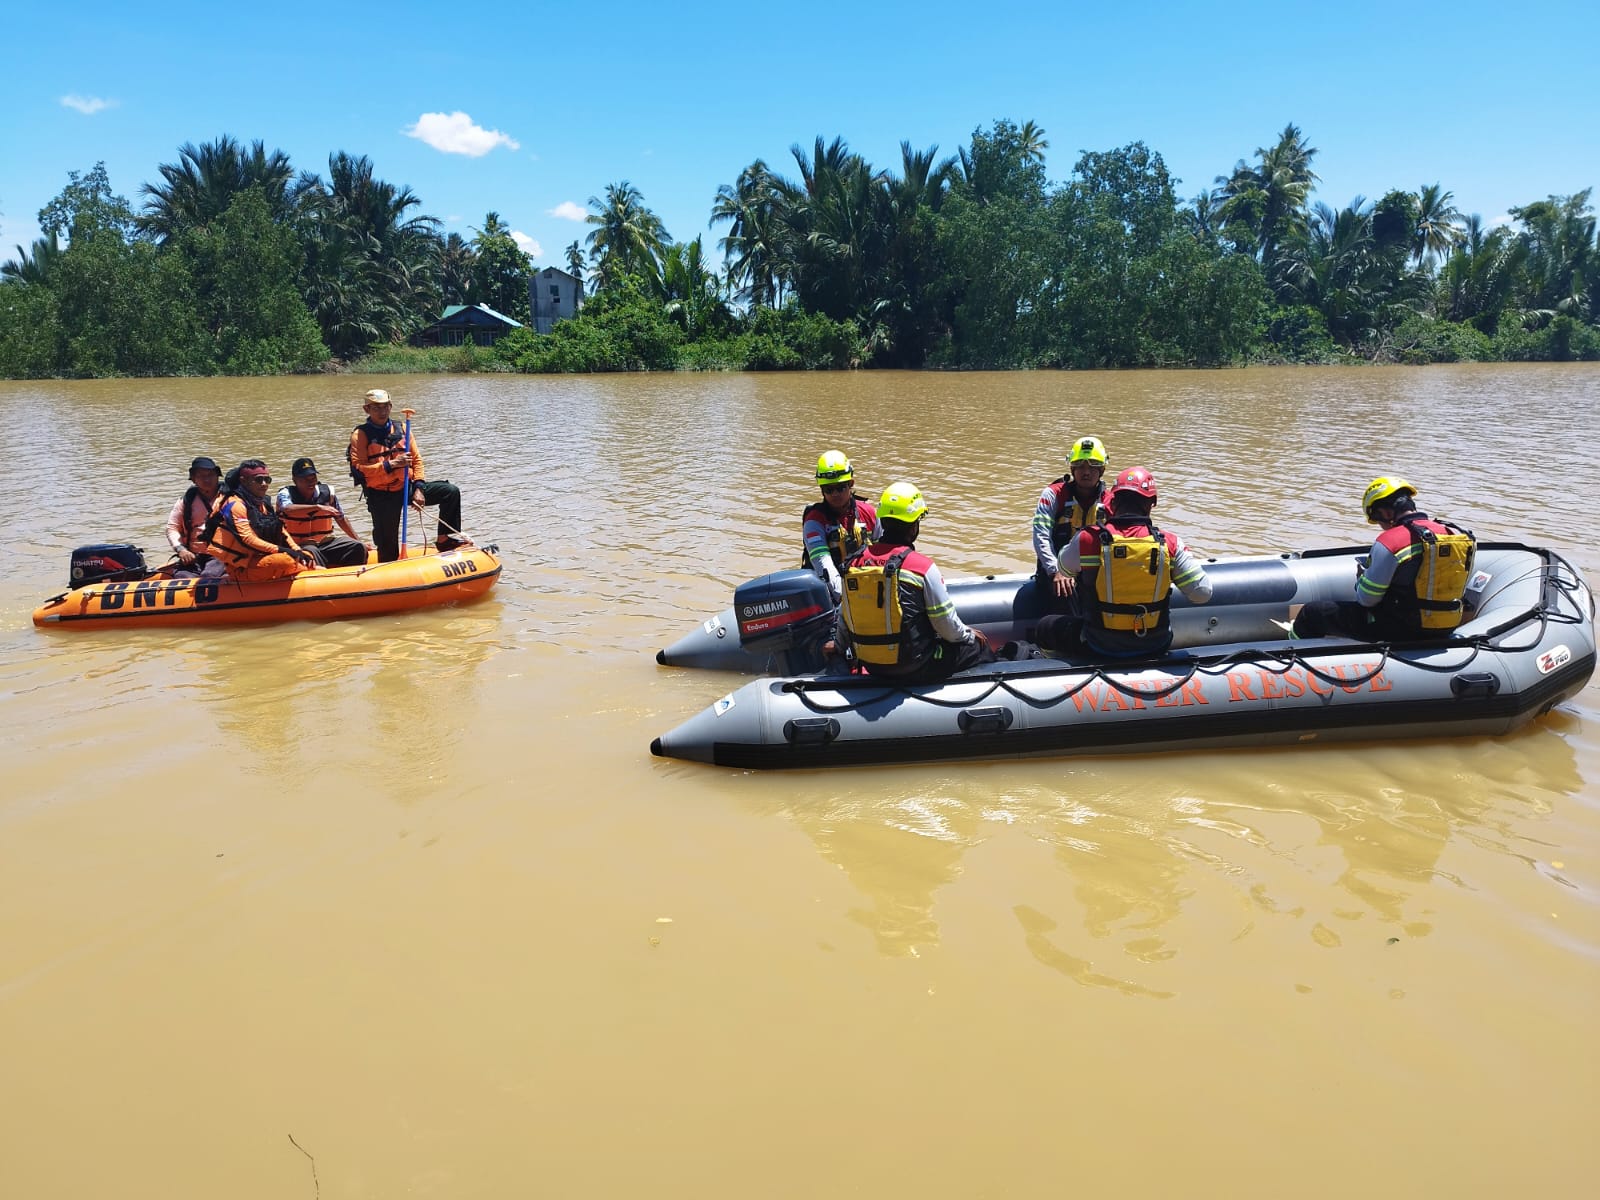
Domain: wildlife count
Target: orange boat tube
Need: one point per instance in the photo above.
(427, 580)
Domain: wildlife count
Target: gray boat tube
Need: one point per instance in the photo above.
(1529, 645)
(1250, 595)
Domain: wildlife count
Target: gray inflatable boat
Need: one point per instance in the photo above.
(1234, 678)
(778, 622)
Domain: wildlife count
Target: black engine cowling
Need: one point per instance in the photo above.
(108, 563)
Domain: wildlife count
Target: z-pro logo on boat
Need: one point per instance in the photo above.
(1559, 656)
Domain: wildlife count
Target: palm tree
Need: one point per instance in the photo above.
(575, 260)
(1438, 224)
(455, 269)
(1033, 144)
(1268, 200)
(754, 244)
(199, 187)
(1341, 269)
(688, 291)
(826, 162)
(1200, 216)
(372, 269)
(1559, 236)
(1004, 161)
(1477, 281)
(627, 237)
(36, 264)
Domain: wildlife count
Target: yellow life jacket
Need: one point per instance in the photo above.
(1133, 583)
(872, 612)
(1443, 570)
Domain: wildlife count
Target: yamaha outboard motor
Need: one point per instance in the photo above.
(788, 614)
(110, 563)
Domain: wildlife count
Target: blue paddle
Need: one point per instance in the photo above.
(405, 485)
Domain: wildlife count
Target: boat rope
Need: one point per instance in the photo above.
(1559, 576)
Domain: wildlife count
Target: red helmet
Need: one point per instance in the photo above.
(1137, 480)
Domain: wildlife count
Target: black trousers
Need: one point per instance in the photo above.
(948, 658)
(386, 508)
(336, 550)
(1333, 617)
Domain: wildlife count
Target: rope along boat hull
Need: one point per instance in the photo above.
(423, 581)
(1529, 646)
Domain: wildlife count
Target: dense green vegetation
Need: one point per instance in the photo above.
(236, 265)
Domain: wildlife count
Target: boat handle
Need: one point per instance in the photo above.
(995, 719)
(808, 731)
(1478, 684)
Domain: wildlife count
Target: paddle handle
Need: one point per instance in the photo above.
(405, 484)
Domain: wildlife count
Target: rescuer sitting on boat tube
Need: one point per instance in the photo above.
(187, 521)
(379, 458)
(1414, 581)
(1074, 502)
(897, 615)
(247, 534)
(1128, 569)
(839, 524)
(310, 510)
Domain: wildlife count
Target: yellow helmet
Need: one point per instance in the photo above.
(1088, 449)
(834, 467)
(1381, 489)
(902, 502)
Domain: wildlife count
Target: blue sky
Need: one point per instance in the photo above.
(1496, 102)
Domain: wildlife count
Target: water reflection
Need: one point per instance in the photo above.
(1128, 863)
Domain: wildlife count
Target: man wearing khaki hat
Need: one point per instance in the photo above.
(386, 460)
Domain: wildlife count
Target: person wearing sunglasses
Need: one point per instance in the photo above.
(839, 524)
(247, 535)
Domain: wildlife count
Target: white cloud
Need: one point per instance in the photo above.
(457, 133)
(568, 211)
(529, 247)
(87, 105)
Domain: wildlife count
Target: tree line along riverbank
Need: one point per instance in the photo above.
(233, 263)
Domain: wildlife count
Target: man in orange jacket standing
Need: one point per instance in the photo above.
(380, 455)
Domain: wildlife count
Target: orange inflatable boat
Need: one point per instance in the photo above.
(139, 598)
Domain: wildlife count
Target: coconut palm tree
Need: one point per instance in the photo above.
(755, 245)
(575, 260)
(455, 269)
(1032, 142)
(627, 237)
(1438, 224)
(1263, 206)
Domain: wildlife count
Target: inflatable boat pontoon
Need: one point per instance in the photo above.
(778, 622)
(136, 598)
(1528, 645)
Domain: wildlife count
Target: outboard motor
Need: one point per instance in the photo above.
(110, 563)
(788, 614)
